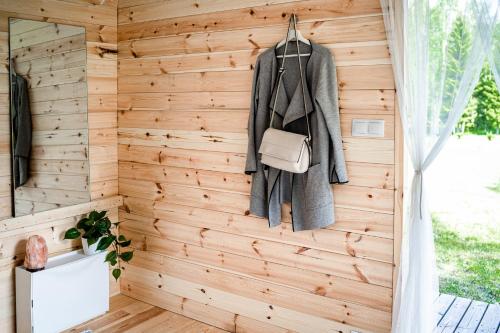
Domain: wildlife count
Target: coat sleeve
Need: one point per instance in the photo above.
(251, 163)
(327, 97)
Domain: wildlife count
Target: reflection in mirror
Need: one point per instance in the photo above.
(48, 116)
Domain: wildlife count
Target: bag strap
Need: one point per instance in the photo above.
(293, 18)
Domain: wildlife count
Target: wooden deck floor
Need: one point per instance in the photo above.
(455, 314)
(462, 315)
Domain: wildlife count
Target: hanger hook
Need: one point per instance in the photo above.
(293, 23)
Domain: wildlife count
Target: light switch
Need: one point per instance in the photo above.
(368, 127)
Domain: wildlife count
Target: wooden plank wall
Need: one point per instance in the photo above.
(100, 21)
(184, 79)
(53, 58)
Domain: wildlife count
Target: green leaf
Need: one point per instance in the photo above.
(89, 233)
(111, 256)
(102, 227)
(92, 215)
(125, 243)
(116, 273)
(126, 256)
(84, 224)
(96, 216)
(108, 222)
(95, 232)
(105, 242)
(72, 233)
(91, 240)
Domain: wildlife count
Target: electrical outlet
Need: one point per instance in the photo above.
(368, 128)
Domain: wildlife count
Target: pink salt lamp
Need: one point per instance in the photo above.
(36, 253)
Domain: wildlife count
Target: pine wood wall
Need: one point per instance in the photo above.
(184, 80)
(100, 20)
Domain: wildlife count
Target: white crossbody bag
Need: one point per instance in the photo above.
(281, 149)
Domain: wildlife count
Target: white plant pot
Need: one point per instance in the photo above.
(92, 249)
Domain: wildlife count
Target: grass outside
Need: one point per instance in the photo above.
(495, 188)
(464, 190)
(468, 266)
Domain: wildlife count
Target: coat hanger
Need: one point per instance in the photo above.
(293, 34)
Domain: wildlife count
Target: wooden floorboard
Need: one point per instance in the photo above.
(442, 306)
(491, 320)
(129, 315)
(462, 315)
(471, 319)
(453, 315)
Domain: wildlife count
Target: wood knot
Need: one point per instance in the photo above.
(254, 247)
(320, 291)
(202, 232)
(302, 249)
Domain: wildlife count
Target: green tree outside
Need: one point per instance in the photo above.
(459, 45)
(482, 114)
(487, 100)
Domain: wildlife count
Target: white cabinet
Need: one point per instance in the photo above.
(72, 288)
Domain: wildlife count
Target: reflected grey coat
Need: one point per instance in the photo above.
(310, 193)
(21, 129)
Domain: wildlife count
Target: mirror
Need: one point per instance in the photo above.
(48, 116)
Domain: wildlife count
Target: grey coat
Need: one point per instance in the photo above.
(21, 129)
(310, 193)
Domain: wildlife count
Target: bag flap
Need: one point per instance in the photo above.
(283, 145)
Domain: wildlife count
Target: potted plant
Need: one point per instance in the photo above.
(98, 236)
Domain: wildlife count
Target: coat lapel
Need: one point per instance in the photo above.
(296, 108)
(290, 109)
(282, 102)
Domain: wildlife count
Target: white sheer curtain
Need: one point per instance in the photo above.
(438, 48)
(494, 58)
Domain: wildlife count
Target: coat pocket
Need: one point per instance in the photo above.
(317, 189)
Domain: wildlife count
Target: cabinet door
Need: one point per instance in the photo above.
(70, 294)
